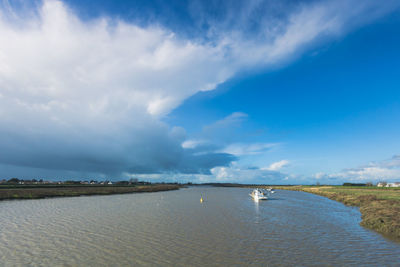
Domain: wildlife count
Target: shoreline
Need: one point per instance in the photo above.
(15, 193)
(379, 212)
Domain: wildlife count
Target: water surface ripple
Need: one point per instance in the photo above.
(174, 229)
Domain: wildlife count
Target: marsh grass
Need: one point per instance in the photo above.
(379, 207)
(24, 192)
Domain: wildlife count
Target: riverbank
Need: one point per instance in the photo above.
(32, 192)
(379, 207)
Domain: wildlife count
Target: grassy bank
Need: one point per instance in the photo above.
(379, 207)
(35, 192)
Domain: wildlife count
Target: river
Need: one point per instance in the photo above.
(174, 229)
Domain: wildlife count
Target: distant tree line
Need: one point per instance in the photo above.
(132, 181)
(17, 181)
(358, 184)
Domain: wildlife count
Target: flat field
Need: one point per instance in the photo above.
(47, 191)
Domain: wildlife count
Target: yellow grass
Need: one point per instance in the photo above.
(379, 207)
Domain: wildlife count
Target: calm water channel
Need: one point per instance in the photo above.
(174, 229)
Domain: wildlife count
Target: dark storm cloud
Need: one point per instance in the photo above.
(89, 96)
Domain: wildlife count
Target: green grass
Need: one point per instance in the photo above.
(379, 206)
(35, 192)
(380, 193)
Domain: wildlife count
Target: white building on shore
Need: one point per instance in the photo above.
(396, 184)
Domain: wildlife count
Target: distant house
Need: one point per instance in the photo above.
(396, 184)
(133, 180)
(381, 184)
(109, 182)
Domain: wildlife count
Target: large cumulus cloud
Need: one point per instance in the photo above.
(89, 96)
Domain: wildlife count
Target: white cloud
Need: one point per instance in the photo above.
(248, 175)
(225, 133)
(253, 175)
(112, 69)
(229, 122)
(278, 165)
(191, 143)
(319, 175)
(386, 170)
(90, 95)
(240, 149)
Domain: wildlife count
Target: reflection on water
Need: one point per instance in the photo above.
(175, 229)
(257, 208)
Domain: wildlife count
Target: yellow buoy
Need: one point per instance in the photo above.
(201, 199)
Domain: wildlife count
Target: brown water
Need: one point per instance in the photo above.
(174, 229)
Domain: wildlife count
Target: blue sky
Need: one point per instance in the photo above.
(335, 107)
(278, 92)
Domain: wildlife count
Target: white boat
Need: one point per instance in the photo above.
(257, 195)
(270, 190)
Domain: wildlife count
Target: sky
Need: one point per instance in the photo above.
(263, 91)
